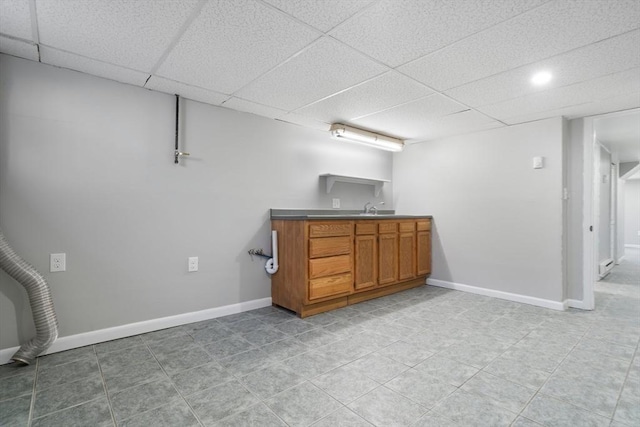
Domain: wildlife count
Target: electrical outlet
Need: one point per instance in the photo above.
(57, 262)
(336, 203)
(193, 263)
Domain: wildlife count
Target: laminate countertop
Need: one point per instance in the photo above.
(301, 214)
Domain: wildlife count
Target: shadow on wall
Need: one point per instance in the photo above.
(13, 293)
(439, 266)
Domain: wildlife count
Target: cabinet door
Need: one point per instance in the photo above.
(387, 258)
(406, 256)
(365, 254)
(423, 252)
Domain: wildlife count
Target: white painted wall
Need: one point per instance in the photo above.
(632, 212)
(604, 182)
(86, 168)
(497, 221)
(574, 143)
(619, 237)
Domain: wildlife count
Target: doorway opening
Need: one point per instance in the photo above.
(611, 220)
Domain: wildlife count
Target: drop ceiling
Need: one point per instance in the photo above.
(413, 69)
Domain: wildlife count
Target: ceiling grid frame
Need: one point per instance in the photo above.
(194, 14)
(34, 22)
(544, 59)
(610, 96)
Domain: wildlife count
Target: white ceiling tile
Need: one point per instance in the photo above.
(549, 30)
(397, 31)
(232, 42)
(305, 121)
(132, 34)
(407, 121)
(377, 94)
(191, 92)
(456, 124)
(18, 48)
(92, 66)
(596, 60)
(618, 103)
(323, 15)
(251, 107)
(593, 90)
(15, 19)
(323, 69)
(271, 55)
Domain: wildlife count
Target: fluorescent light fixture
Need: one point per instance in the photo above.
(360, 136)
(541, 78)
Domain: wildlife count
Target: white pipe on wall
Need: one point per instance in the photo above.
(272, 264)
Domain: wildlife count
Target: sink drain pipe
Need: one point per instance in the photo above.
(272, 264)
(44, 315)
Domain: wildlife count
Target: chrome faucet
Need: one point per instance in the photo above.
(370, 208)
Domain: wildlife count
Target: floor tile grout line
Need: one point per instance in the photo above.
(145, 344)
(71, 382)
(104, 385)
(33, 393)
(310, 381)
(191, 409)
(235, 377)
(238, 377)
(549, 377)
(580, 331)
(538, 390)
(624, 382)
(193, 412)
(57, 411)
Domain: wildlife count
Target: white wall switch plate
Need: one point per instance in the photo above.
(193, 263)
(57, 262)
(538, 162)
(336, 203)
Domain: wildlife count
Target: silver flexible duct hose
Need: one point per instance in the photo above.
(44, 315)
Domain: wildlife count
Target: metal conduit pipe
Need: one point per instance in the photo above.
(44, 315)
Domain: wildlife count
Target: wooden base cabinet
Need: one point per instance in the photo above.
(328, 264)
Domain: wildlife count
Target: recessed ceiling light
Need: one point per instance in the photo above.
(541, 78)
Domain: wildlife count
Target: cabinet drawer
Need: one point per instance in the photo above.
(366, 228)
(407, 227)
(321, 267)
(424, 225)
(329, 246)
(387, 227)
(330, 286)
(329, 229)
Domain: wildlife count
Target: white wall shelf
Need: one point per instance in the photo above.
(376, 183)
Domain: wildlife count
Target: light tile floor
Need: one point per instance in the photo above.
(425, 357)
